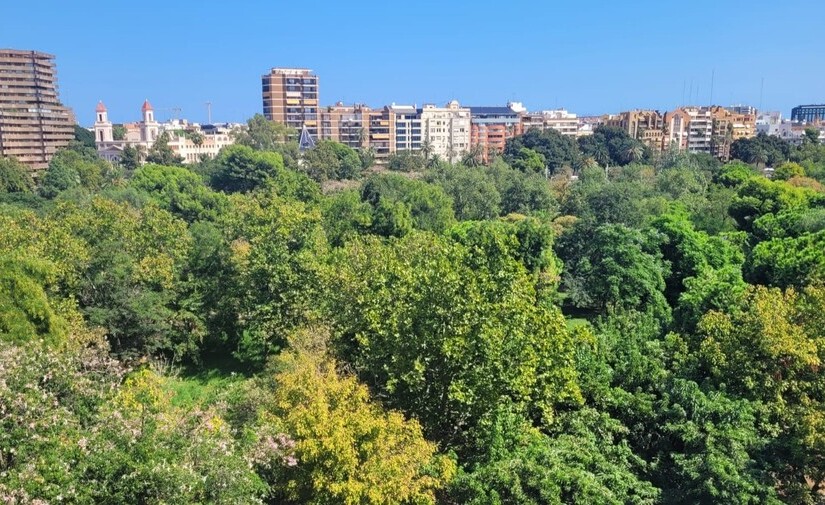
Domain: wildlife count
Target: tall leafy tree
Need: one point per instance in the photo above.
(422, 322)
(14, 177)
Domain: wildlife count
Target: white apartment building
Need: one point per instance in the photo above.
(446, 129)
(690, 128)
(193, 143)
(406, 124)
(560, 120)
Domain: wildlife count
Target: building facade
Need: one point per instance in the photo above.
(33, 122)
(491, 128)
(406, 134)
(729, 125)
(446, 130)
(689, 129)
(647, 126)
(359, 127)
(808, 113)
(560, 120)
(290, 97)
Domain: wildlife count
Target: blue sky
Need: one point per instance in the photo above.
(590, 57)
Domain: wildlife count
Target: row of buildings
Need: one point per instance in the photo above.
(291, 96)
(34, 124)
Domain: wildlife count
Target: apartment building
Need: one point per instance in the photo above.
(406, 132)
(33, 122)
(446, 130)
(290, 96)
(346, 124)
(381, 133)
(646, 126)
(808, 113)
(492, 127)
(359, 127)
(689, 129)
(560, 120)
(729, 125)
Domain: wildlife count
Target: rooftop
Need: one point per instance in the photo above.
(498, 111)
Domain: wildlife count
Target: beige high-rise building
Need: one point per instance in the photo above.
(33, 122)
(290, 96)
(446, 129)
(729, 125)
(644, 125)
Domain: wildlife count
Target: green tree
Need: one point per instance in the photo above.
(474, 196)
(160, 153)
(179, 191)
(71, 168)
(131, 158)
(787, 262)
(84, 137)
(614, 268)
(241, 169)
(271, 284)
(585, 460)
(559, 151)
(429, 206)
(262, 134)
(406, 161)
(812, 135)
(346, 216)
(14, 177)
(528, 161)
(427, 327)
(787, 170)
(26, 311)
(118, 132)
(331, 160)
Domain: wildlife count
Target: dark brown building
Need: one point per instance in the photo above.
(33, 122)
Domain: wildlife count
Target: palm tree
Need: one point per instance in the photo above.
(761, 157)
(634, 152)
(426, 150)
(141, 153)
(451, 153)
(590, 162)
(474, 157)
(197, 138)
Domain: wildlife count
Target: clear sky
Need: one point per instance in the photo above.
(590, 57)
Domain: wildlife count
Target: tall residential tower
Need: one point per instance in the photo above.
(33, 122)
(290, 96)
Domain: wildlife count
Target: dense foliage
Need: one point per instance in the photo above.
(647, 331)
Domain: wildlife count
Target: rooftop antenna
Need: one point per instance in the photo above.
(690, 92)
(684, 87)
(712, 75)
(761, 90)
(175, 112)
(209, 112)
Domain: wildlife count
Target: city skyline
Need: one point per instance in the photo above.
(619, 58)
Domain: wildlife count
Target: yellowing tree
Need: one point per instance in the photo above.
(347, 449)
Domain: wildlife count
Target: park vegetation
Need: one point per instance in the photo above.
(573, 322)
